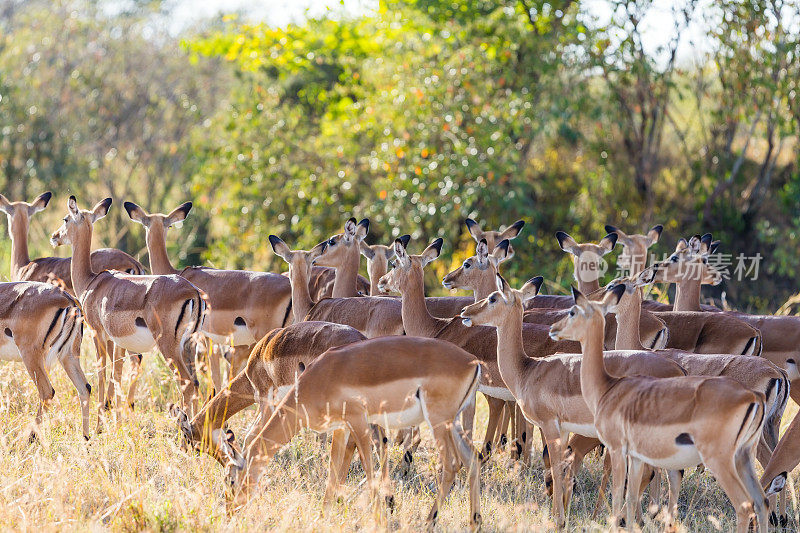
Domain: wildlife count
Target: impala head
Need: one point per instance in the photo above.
(585, 313)
(342, 246)
(493, 310)
(587, 257)
(494, 237)
(78, 221)
(630, 291)
(19, 213)
(238, 480)
(408, 268)
(157, 224)
(634, 247)
(480, 269)
(378, 257)
(689, 262)
(299, 261)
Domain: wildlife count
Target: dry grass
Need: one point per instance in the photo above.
(135, 476)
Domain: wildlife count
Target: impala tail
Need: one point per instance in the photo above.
(190, 322)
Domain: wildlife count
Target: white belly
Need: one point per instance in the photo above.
(9, 350)
(687, 456)
(276, 394)
(501, 393)
(240, 336)
(587, 430)
(140, 341)
(412, 416)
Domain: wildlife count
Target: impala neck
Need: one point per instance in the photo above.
(301, 296)
(485, 286)
(81, 265)
(687, 295)
(377, 269)
(417, 320)
(586, 287)
(345, 283)
(156, 238)
(629, 314)
(511, 356)
(595, 380)
(18, 231)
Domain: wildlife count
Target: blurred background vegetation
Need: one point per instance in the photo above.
(415, 114)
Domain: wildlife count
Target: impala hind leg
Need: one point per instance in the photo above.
(619, 474)
(744, 467)
(495, 412)
(469, 458)
(727, 475)
(361, 434)
(187, 381)
(675, 478)
(102, 356)
(633, 500)
(136, 367)
(450, 467)
(555, 447)
(34, 364)
(339, 444)
(410, 444)
(72, 366)
(115, 383)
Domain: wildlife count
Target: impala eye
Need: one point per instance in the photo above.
(467, 265)
(674, 258)
(492, 299)
(571, 312)
(331, 242)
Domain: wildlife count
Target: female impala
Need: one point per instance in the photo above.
(137, 313)
(42, 323)
(548, 389)
(393, 382)
(713, 420)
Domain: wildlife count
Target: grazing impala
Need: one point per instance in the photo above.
(137, 313)
(244, 305)
(548, 390)
(41, 324)
(710, 420)
(393, 382)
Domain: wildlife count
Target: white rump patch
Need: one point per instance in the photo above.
(412, 416)
(587, 430)
(9, 350)
(240, 336)
(685, 457)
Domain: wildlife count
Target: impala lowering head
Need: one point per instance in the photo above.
(494, 237)
(493, 310)
(19, 213)
(634, 248)
(76, 219)
(407, 267)
(338, 247)
(478, 269)
(585, 312)
(587, 257)
(689, 262)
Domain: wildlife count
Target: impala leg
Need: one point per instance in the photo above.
(728, 477)
(72, 366)
(463, 448)
(675, 478)
(100, 347)
(187, 383)
(468, 418)
(555, 447)
(360, 432)
(578, 447)
(34, 364)
(136, 367)
(744, 467)
(115, 383)
(501, 440)
(632, 496)
(339, 441)
(410, 445)
(495, 411)
(238, 358)
(214, 367)
(619, 472)
(450, 467)
(601, 492)
(651, 477)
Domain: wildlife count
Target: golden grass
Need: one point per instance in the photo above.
(135, 476)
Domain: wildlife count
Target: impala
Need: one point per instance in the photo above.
(244, 305)
(548, 390)
(394, 382)
(633, 258)
(710, 420)
(41, 324)
(137, 313)
(378, 257)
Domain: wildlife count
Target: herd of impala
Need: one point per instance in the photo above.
(662, 387)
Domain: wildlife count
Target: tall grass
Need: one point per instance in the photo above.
(135, 476)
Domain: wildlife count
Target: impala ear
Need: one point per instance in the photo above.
(612, 298)
(5, 205)
(621, 235)
(502, 286)
(40, 203)
(350, 229)
(776, 485)
(513, 230)
(136, 213)
(482, 252)
(432, 252)
(100, 210)
(179, 213)
(388, 251)
(366, 250)
(655, 233)
(567, 243)
(316, 251)
(681, 246)
(400, 252)
(713, 248)
(72, 207)
(705, 243)
(580, 300)
(531, 288)
(608, 242)
(502, 251)
(281, 249)
(362, 229)
(474, 229)
(405, 239)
